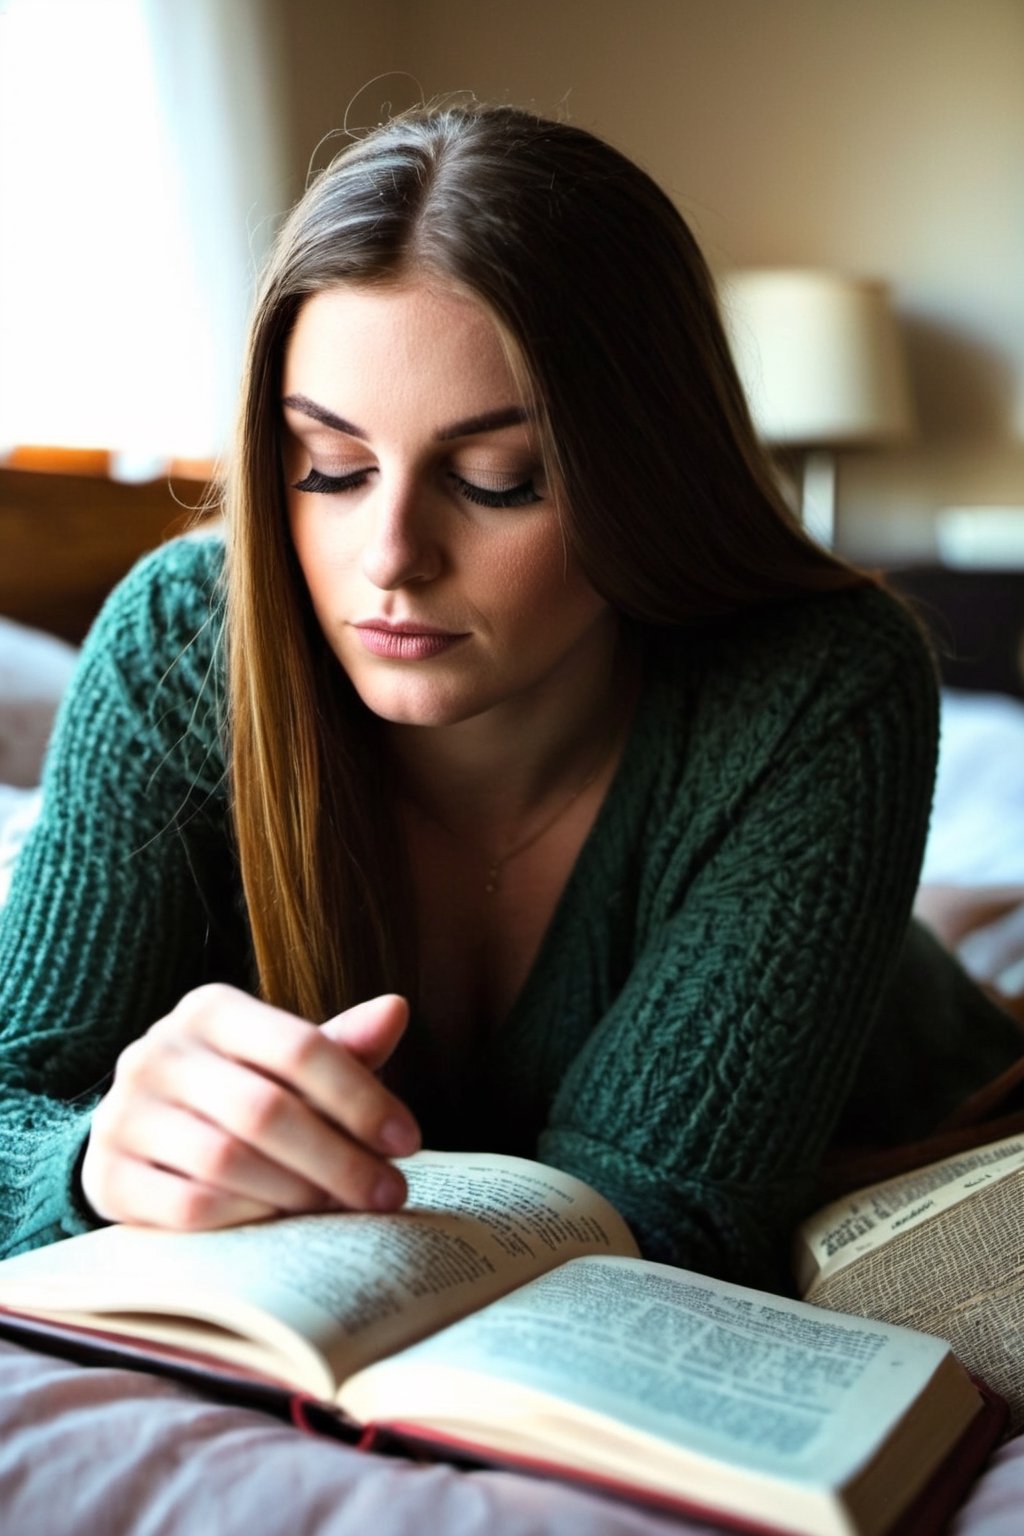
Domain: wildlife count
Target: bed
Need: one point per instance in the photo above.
(110, 1451)
(972, 882)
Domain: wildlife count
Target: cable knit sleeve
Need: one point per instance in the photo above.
(109, 915)
(782, 841)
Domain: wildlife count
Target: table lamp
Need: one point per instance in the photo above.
(821, 359)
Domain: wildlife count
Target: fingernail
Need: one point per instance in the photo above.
(388, 1192)
(398, 1138)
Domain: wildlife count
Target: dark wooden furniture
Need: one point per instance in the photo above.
(976, 618)
(66, 538)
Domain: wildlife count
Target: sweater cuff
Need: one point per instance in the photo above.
(54, 1206)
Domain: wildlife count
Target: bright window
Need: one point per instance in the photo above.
(124, 259)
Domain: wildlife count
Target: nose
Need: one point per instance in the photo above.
(401, 542)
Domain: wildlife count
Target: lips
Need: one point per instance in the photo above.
(407, 641)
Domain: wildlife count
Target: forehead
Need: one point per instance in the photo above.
(391, 347)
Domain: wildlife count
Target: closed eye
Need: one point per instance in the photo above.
(521, 495)
(331, 485)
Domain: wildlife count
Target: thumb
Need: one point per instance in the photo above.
(370, 1030)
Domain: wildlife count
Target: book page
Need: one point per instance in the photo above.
(857, 1224)
(958, 1274)
(353, 1286)
(759, 1381)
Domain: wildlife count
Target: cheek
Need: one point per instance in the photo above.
(537, 576)
(316, 567)
(320, 553)
(305, 548)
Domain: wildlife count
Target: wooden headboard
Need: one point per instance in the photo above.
(976, 618)
(66, 539)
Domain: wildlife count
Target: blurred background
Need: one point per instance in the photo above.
(148, 149)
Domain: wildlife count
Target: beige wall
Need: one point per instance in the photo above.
(882, 137)
(329, 53)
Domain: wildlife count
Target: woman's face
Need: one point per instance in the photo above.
(427, 535)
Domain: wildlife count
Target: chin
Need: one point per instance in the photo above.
(418, 706)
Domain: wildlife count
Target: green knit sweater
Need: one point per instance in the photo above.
(724, 987)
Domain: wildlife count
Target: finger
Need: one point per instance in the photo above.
(370, 1030)
(270, 1118)
(300, 1056)
(183, 1143)
(143, 1195)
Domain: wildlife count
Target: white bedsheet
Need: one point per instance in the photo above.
(977, 828)
(96, 1452)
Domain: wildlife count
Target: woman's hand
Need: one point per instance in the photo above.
(229, 1110)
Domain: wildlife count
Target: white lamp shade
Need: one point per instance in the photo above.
(819, 355)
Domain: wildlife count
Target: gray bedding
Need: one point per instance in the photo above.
(120, 1453)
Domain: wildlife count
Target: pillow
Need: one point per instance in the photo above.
(34, 671)
(18, 811)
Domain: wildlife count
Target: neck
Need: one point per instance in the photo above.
(488, 774)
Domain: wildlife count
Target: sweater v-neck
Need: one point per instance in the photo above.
(618, 825)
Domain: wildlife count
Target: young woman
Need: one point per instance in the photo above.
(521, 777)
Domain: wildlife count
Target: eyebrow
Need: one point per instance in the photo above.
(490, 421)
(471, 426)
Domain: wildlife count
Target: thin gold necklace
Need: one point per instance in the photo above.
(496, 866)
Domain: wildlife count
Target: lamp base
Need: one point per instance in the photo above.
(818, 496)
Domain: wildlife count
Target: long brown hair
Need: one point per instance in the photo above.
(609, 313)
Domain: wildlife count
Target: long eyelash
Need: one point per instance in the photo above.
(522, 495)
(330, 485)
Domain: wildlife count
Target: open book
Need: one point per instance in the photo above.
(505, 1316)
(940, 1249)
